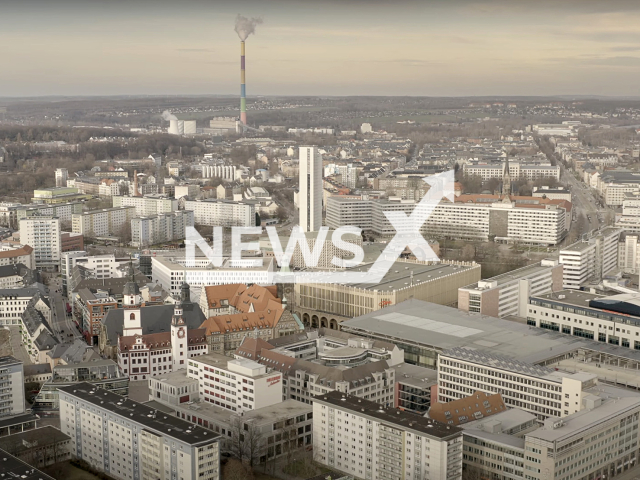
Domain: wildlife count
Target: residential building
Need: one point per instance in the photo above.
(37, 373)
(37, 335)
(591, 258)
(164, 227)
(18, 276)
(190, 191)
(102, 223)
(101, 373)
(39, 447)
(235, 311)
(473, 217)
(15, 254)
(93, 266)
(398, 444)
(508, 294)
(467, 409)
(147, 205)
(310, 189)
(109, 431)
(14, 301)
(43, 235)
(225, 213)
(328, 304)
(62, 174)
(64, 211)
(11, 386)
(174, 388)
(528, 171)
(237, 385)
(9, 214)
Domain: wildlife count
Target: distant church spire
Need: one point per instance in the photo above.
(506, 179)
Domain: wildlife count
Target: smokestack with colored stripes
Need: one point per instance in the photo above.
(243, 87)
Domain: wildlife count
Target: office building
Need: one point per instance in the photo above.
(107, 222)
(415, 388)
(164, 227)
(591, 258)
(71, 242)
(58, 195)
(559, 193)
(597, 442)
(613, 319)
(237, 385)
(172, 271)
(39, 447)
(517, 170)
(310, 189)
(397, 445)
(328, 304)
(127, 440)
(320, 362)
(11, 386)
(13, 467)
(629, 253)
(225, 213)
(147, 205)
(508, 294)
(43, 235)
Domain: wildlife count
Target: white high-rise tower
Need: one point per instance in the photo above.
(310, 197)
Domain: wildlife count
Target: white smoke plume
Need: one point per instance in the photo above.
(246, 26)
(167, 115)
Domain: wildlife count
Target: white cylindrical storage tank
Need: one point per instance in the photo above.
(180, 127)
(189, 127)
(173, 127)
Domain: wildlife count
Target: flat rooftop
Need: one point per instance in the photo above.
(586, 418)
(389, 416)
(442, 328)
(399, 275)
(142, 414)
(11, 467)
(415, 376)
(569, 296)
(524, 272)
(175, 379)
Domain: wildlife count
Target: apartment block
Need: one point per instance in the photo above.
(225, 213)
(127, 440)
(591, 258)
(11, 386)
(360, 438)
(43, 235)
(164, 227)
(102, 223)
(148, 205)
(508, 294)
(64, 211)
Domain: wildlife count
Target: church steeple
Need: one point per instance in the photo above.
(131, 291)
(506, 179)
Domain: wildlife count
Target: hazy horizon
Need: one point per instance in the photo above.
(464, 48)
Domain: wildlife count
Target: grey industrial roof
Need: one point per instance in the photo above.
(399, 275)
(419, 377)
(154, 319)
(442, 328)
(514, 275)
(8, 360)
(167, 425)
(11, 467)
(392, 416)
(37, 369)
(44, 436)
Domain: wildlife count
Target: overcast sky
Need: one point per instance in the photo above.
(321, 47)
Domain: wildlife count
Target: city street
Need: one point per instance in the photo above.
(584, 201)
(61, 323)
